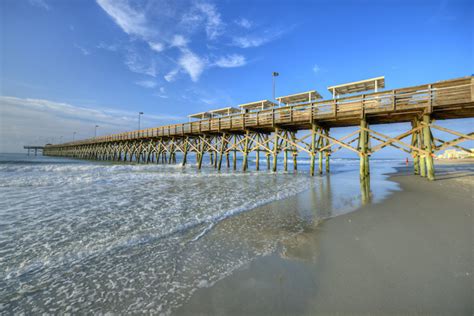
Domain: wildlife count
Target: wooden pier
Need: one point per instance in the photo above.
(34, 149)
(299, 123)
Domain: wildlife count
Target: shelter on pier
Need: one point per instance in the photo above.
(357, 86)
(302, 97)
(257, 105)
(224, 111)
(200, 116)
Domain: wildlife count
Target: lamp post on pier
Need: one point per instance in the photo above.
(274, 75)
(139, 115)
(95, 130)
(73, 136)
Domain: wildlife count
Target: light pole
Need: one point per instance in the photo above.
(95, 130)
(73, 136)
(60, 139)
(274, 75)
(139, 115)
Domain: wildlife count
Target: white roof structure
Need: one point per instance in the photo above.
(307, 96)
(200, 115)
(358, 86)
(225, 111)
(258, 105)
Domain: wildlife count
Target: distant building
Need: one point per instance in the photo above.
(456, 154)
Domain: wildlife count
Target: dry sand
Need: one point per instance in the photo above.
(411, 253)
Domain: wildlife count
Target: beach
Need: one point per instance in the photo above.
(409, 254)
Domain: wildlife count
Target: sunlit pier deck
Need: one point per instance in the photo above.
(268, 127)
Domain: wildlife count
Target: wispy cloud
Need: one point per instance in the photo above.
(40, 4)
(231, 61)
(316, 69)
(257, 38)
(137, 64)
(130, 20)
(110, 47)
(171, 76)
(147, 83)
(156, 46)
(23, 120)
(176, 32)
(242, 22)
(203, 14)
(192, 64)
(161, 93)
(83, 50)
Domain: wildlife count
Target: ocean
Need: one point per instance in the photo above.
(99, 237)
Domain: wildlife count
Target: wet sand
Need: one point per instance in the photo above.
(411, 253)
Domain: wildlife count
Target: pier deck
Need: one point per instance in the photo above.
(273, 129)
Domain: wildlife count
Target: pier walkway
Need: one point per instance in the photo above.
(299, 123)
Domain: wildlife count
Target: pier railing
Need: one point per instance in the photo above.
(429, 98)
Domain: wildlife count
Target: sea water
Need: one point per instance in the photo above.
(97, 237)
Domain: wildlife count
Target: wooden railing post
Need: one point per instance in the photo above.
(430, 101)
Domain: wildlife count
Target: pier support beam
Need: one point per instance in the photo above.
(428, 141)
(185, 151)
(313, 148)
(222, 150)
(328, 150)
(364, 150)
(245, 151)
(275, 150)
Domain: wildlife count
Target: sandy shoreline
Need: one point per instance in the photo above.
(411, 253)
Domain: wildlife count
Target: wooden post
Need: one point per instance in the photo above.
(416, 154)
(275, 150)
(227, 159)
(422, 158)
(285, 155)
(364, 159)
(267, 155)
(257, 160)
(185, 151)
(313, 148)
(295, 152)
(201, 153)
(328, 151)
(234, 154)
(428, 147)
(246, 148)
(223, 143)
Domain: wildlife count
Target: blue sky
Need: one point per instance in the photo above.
(69, 65)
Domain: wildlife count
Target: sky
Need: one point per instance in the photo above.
(67, 66)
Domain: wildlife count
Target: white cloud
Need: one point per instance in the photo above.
(316, 69)
(147, 83)
(40, 4)
(179, 41)
(161, 93)
(171, 76)
(250, 41)
(136, 64)
(166, 26)
(256, 40)
(25, 121)
(192, 64)
(84, 51)
(242, 22)
(131, 21)
(157, 47)
(203, 14)
(231, 61)
(214, 25)
(110, 47)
